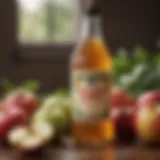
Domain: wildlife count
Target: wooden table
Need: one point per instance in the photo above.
(132, 152)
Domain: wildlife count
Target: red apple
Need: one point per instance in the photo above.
(120, 98)
(124, 124)
(9, 119)
(122, 112)
(24, 100)
(147, 117)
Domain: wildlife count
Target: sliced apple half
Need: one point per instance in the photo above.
(31, 138)
(17, 135)
(31, 143)
(44, 130)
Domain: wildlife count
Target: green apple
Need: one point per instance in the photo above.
(59, 120)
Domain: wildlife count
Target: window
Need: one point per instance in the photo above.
(47, 21)
(46, 30)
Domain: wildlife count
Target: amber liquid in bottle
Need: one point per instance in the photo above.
(91, 67)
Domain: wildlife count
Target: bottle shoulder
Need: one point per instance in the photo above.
(93, 53)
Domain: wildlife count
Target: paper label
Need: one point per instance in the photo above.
(91, 95)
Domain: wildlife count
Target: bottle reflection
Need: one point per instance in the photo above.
(107, 154)
(89, 154)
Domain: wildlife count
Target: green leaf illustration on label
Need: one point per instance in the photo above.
(78, 113)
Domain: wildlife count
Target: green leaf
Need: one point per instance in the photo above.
(151, 81)
(7, 86)
(121, 61)
(156, 60)
(122, 64)
(62, 92)
(31, 85)
(140, 55)
(133, 81)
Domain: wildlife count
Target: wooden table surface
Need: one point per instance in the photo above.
(132, 152)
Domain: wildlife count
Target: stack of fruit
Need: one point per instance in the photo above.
(136, 118)
(28, 125)
(137, 73)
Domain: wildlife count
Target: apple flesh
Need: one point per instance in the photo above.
(148, 116)
(31, 138)
(122, 113)
(24, 100)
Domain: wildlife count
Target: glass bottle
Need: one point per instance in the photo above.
(91, 67)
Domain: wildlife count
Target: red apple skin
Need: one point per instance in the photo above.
(24, 100)
(3, 106)
(124, 105)
(11, 119)
(149, 99)
(124, 127)
(121, 98)
(147, 125)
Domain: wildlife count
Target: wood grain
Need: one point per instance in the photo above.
(106, 153)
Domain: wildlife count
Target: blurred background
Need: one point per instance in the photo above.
(38, 36)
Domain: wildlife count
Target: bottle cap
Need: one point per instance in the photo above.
(93, 9)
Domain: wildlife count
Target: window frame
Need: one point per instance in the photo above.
(45, 53)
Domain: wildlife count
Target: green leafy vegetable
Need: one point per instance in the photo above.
(30, 85)
(137, 73)
(140, 55)
(62, 92)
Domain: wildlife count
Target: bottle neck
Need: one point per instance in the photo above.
(92, 27)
